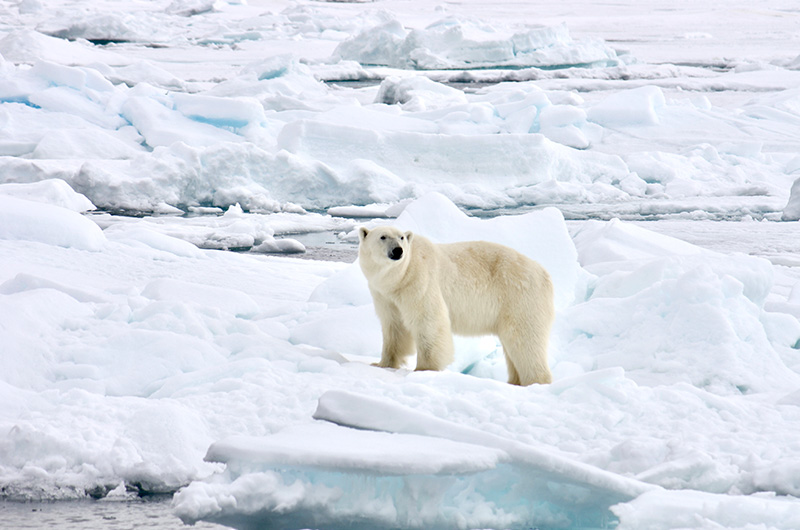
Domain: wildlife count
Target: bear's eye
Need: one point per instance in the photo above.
(383, 237)
(401, 238)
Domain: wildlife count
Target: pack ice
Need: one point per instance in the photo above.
(132, 136)
(630, 362)
(137, 358)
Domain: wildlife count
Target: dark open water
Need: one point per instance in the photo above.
(94, 515)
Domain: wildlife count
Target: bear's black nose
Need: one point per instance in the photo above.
(396, 253)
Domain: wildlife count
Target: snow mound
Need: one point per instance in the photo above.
(49, 191)
(710, 330)
(26, 220)
(30, 46)
(451, 43)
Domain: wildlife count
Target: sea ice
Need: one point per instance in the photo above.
(418, 471)
(51, 191)
(631, 107)
(26, 220)
(128, 350)
(451, 43)
(792, 210)
(667, 510)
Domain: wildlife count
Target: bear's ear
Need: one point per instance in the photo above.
(362, 233)
(409, 235)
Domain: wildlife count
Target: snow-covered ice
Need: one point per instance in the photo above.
(141, 356)
(451, 43)
(442, 475)
(266, 131)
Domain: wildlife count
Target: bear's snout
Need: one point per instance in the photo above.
(396, 253)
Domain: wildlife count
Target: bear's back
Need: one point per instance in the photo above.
(483, 281)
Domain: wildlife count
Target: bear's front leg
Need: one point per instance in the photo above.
(398, 344)
(434, 340)
(398, 341)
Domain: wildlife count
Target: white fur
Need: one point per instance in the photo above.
(472, 288)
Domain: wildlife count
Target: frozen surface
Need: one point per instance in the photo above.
(132, 345)
(42, 222)
(451, 43)
(469, 478)
(233, 109)
(792, 210)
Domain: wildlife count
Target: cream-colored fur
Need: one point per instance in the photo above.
(424, 292)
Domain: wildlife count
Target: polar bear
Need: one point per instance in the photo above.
(424, 292)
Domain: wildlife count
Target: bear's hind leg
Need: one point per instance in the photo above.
(526, 359)
(513, 376)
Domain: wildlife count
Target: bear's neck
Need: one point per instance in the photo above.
(386, 280)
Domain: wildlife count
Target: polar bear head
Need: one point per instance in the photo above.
(383, 245)
(384, 254)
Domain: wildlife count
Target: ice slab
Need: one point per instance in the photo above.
(365, 412)
(483, 171)
(452, 43)
(326, 446)
(666, 510)
(636, 106)
(389, 466)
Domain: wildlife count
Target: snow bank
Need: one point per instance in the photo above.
(30, 46)
(51, 191)
(362, 412)
(452, 43)
(162, 126)
(710, 330)
(102, 328)
(221, 174)
(26, 220)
